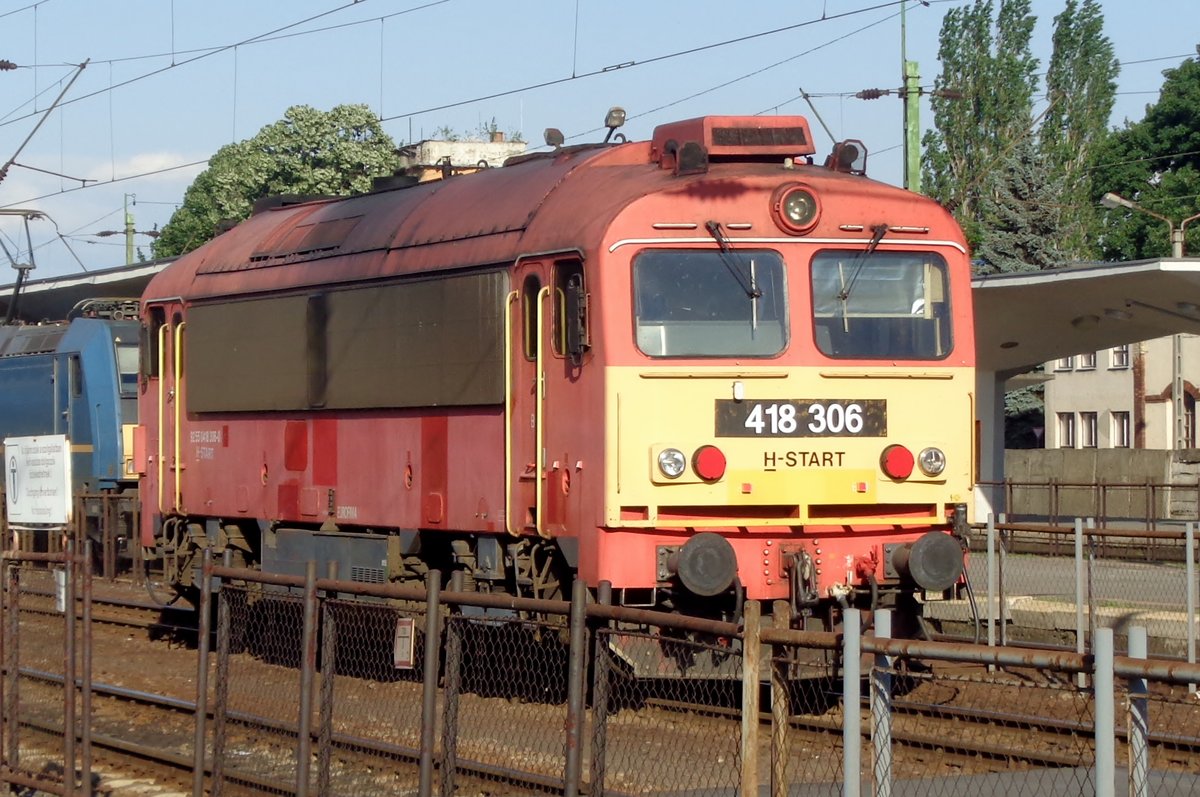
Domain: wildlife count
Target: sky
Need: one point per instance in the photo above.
(169, 82)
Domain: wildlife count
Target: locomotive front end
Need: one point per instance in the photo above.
(793, 418)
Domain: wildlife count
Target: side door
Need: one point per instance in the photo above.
(526, 356)
(161, 415)
(546, 341)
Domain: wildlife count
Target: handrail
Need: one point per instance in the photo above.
(539, 455)
(178, 363)
(162, 365)
(509, 526)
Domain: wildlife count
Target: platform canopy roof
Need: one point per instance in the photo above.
(1029, 318)
(51, 299)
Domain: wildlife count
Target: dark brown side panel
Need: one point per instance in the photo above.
(436, 342)
(246, 355)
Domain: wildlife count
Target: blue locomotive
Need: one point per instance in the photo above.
(79, 378)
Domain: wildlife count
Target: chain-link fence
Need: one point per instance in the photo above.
(318, 686)
(39, 699)
(1057, 586)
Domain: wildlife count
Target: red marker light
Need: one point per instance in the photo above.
(709, 463)
(897, 462)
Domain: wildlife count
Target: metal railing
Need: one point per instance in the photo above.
(1060, 501)
(109, 519)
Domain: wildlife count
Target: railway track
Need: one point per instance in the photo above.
(126, 612)
(259, 751)
(973, 733)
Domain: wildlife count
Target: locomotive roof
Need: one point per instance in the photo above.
(32, 339)
(61, 336)
(543, 203)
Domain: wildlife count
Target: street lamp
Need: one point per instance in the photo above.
(1111, 200)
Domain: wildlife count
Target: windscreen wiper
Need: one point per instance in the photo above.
(728, 257)
(860, 260)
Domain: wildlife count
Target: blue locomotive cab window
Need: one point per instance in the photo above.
(881, 305)
(127, 367)
(708, 303)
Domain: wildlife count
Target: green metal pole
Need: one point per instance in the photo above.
(912, 126)
(128, 233)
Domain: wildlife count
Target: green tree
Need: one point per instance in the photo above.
(1019, 216)
(1080, 89)
(982, 102)
(336, 152)
(1156, 163)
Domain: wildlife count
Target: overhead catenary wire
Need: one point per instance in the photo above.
(644, 62)
(618, 67)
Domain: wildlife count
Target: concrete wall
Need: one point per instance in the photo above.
(1077, 473)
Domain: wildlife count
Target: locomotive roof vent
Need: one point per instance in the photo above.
(734, 138)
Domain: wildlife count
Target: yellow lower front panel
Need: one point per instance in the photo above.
(801, 448)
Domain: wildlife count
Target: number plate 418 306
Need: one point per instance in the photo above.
(802, 418)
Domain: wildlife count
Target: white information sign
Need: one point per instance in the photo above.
(37, 480)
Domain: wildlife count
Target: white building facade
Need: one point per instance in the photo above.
(1123, 397)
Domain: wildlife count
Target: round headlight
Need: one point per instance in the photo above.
(932, 461)
(671, 462)
(795, 208)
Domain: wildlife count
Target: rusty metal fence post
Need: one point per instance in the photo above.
(221, 694)
(1080, 584)
(69, 672)
(577, 655)
(451, 688)
(751, 658)
(992, 578)
(600, 697)
(1189, 539)
(308, 666)
(5, 644)
(433, 609)
(329, 643)
(85, 685)
(12, 660)
(781, 614)
(202, 645)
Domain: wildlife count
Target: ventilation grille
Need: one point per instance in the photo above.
(368, 575)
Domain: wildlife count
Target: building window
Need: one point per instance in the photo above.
(1066, 430)
(1120, 430)
(1064, 364)
(1087, 430)
(1087, 361)
(1120, 356)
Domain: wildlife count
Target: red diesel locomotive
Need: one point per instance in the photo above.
(701, 368)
